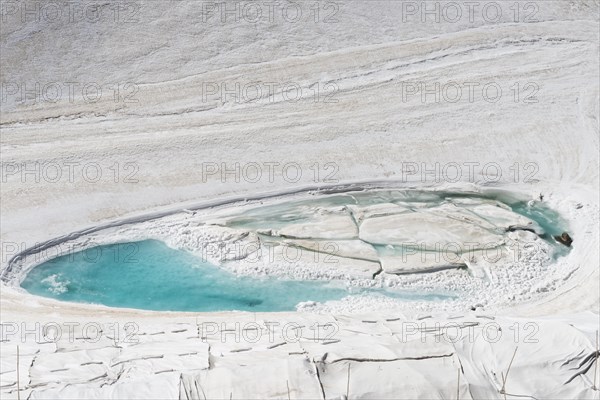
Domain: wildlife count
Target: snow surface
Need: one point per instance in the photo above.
(370, 133)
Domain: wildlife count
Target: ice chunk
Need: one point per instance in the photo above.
(376, 210)
(503, 218)
(326, 226)
(431, 231)
(419, 262)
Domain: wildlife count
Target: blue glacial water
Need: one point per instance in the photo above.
(152, 276)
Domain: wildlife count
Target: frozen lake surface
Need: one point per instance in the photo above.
(366, 234)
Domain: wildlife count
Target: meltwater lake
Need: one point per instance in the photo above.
(150, 275)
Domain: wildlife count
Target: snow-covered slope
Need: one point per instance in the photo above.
(387, 76)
